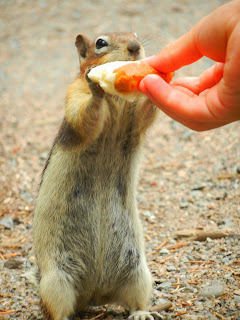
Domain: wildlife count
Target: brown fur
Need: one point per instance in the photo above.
(45, 312)
(87, 232)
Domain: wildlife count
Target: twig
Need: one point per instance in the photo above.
(161, 244)
(235, 262)
(8, 312)
(203, 235)
(201, 262)
(228, 176)
(225, 296)
(177, 283)
(178, 245)
(160, 261)
(180, 314)
(98, 316)
(177, 286)
(185, 303)
(220, 316)
(5, 295)
(200, 235)
(10, 255)
(193, 270)
(2, 257)
(147, 237)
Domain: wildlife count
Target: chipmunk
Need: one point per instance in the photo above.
(88, 236)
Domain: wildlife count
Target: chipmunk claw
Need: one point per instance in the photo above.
(145, 315)
(97, 91)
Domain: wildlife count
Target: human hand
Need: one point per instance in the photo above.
(213, 99)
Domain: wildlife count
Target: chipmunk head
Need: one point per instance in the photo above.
(109, 47)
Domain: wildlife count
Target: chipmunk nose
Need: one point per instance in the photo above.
(133, 47)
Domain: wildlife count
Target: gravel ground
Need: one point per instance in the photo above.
(188, 193)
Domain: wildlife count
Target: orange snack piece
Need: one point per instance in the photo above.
(129, 76)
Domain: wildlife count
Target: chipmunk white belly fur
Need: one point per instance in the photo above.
(87, 233)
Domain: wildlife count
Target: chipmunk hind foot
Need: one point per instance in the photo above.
(145, 315)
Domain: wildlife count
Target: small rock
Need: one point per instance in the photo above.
(160, 280)
(236, 297)
(147, 214)
(152, 219)
(164, 251)
(188, 288)
(196, 193)
(162, 304)
(187, 135)
(184, 204)
(7, 222)
(12, 163)
(185, 259)
(212, 291)
(238, 211)
(12, 263)
(226, 223)
(199, 305)
(26, 196)
(165, 285)
(237, 292)
(1, 264)
(171, 268)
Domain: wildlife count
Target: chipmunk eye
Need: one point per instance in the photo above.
(101, 43)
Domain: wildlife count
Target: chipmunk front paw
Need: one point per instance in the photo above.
(97, 91)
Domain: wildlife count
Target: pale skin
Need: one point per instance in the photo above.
(211, 100)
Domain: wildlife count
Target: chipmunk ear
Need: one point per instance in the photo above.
(83, 44)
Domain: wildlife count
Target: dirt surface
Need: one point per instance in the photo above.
(189, 181)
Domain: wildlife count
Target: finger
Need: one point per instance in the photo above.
(196, 125)
(182, 107)
(211, 76)
(207, 38)
(189, 83)
(176, 54)
(232, 65)
(207, 80)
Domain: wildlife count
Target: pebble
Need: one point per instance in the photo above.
(171, 268)
(162, 304)
(26, 196)
(165, 285)
(185, 259)
(12, 163)
(164, 251)
(184, 204)
(227, 223)
(12, 263)
(212, 291)
(152, 219)
(196, 193)
(186, 135)
(238, 211)
(7, 222)
(147, 214)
